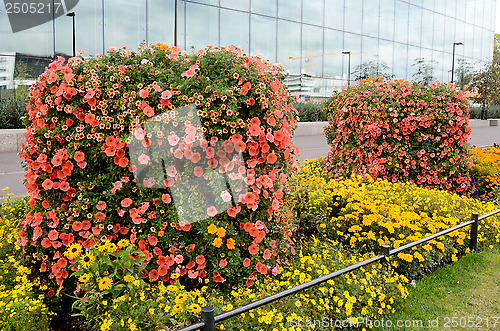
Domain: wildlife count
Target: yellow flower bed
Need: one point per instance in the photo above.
(486, 171)
(371, 213)
(20, 307)
(367, 292)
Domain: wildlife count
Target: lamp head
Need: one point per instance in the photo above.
(458, 43)
(72, 14)
(346, 52)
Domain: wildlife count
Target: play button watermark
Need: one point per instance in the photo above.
(26, 14)
(203, 177)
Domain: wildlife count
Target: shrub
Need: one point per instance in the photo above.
(220, 107)
(400, 131)
(310, 111)
(11, 112)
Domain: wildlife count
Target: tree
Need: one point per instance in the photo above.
(425, 72)
(372, 69)
(463, 74)
(486, 83)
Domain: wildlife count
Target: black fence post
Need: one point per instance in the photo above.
(385, 250)
(207, 315)
(473, 232)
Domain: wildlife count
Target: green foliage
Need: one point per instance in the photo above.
(11, 112)
(310, 111)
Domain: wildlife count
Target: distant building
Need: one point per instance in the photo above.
(306, 36)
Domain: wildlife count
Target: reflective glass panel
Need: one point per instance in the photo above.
(401, 19)
(428, 4)
(353, 16)
(449, 32)
(386, 54)
(116, 33)
(332, 62)
(202, 26)
(487, 45)
(413, 56)
(236, 4)
(265, 7)
(334, 14)
(439, 28)
(400, 60)
(460, 9)
(451, 8)
(468, 40)
(371, 18)
(234, 29)
(313, 12)
(415, 26)
(427, 28)
(470, 8)
(352, 43)
(440, 6)
(289, 45)
(290, 9)
(312, 50)
(263, 37)
(441, 76)
(479, 13)
(160, 24)
(386, 19)
(477, 43)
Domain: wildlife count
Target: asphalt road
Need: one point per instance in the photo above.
(12, 173)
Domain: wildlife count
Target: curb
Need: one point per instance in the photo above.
(11, 139)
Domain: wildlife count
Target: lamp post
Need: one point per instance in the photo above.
(453, 60)
(348, 68)
(72, 14)
(175, 23)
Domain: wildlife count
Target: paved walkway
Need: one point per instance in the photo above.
(12, 173)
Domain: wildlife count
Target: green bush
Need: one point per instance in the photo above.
(310, 111)
(11, 112)
(475, 111)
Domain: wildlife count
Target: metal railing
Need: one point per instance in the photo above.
(209, 319)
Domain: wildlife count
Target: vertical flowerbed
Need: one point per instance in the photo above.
(119, 143)
(401, 131)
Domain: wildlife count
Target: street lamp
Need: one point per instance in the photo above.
(175, 23)
(72, 14)
(453, 60)
(348, 68)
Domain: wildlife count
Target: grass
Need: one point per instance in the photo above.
(463, 295)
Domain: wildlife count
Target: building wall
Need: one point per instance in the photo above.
(306, 36)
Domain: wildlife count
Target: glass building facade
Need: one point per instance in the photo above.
(307, 36)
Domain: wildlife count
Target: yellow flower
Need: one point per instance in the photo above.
(84, 278)
(195, 308)
(106, 324)
(74, 250)
(177, 307)
(174, 276)
(180, 298)
(217, 242)
(104, 283)
(230, 243)
(212, 229)
(129, 278)
(221, 232)
(298, 303)
(87, 259)
(123, 243)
